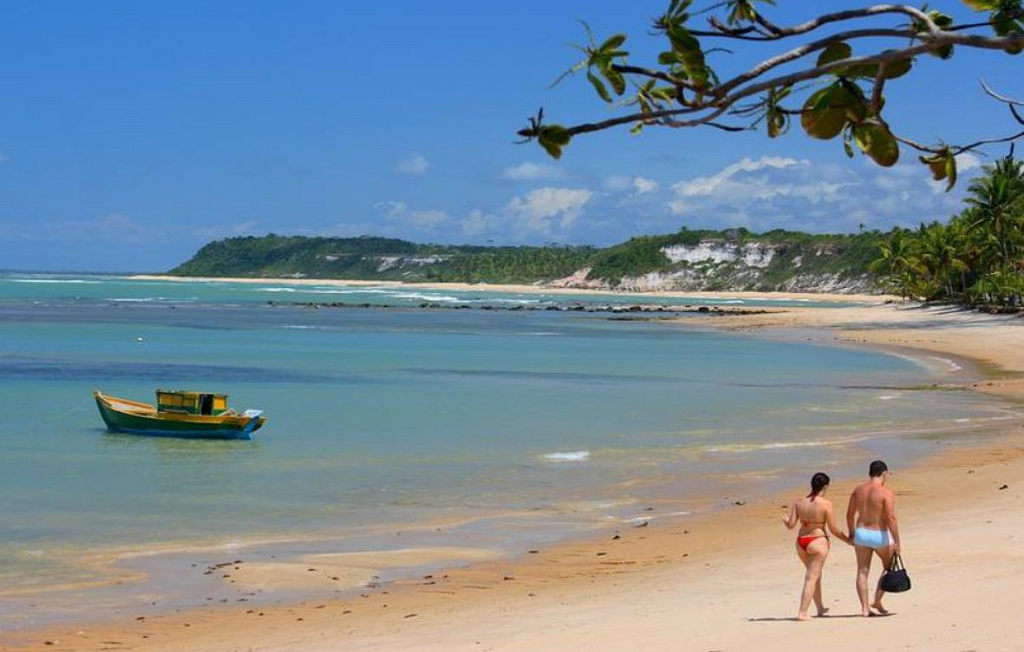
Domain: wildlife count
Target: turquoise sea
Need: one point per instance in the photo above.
(397, 426)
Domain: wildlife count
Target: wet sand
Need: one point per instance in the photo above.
(727, 580)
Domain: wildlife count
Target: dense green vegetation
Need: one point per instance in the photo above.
(372, 258)
(977, 258)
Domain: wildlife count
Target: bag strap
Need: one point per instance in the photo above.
(896, 563)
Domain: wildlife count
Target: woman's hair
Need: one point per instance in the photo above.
(818, 482)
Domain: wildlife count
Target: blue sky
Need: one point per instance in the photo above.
(133, 133)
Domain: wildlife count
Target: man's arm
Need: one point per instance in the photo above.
(893, 524)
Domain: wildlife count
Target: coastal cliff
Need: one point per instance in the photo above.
(688, 260)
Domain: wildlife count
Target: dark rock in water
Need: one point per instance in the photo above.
(703, 309)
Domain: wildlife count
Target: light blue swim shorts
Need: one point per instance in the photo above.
(876, 539)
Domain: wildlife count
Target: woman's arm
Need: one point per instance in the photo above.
(830, 519)
(851, 513)
(790, 520)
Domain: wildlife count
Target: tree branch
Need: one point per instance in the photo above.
(776, 33)
(804, 50)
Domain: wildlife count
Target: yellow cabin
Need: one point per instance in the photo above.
(185, 402)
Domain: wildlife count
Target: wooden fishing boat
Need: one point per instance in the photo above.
(195, 415)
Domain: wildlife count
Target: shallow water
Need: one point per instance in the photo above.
(382, 420)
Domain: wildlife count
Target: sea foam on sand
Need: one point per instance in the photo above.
(572, 456)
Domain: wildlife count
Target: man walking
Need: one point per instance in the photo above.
(871, 520)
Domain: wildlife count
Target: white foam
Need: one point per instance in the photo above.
(53, 280)
(776, 445)
(572, 456)
(428, 297)
(951, 366)
(886, 397)
(150, 299)
(651, 517)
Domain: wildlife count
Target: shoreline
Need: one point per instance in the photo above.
(574, 575)
(527, 289)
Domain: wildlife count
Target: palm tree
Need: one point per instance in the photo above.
(898, 262)
(996, 200)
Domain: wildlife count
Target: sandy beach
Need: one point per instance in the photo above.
(716, 581)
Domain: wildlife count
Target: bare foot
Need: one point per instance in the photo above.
(802, 617)
(866, 613)
(822, 612)
(877, 606)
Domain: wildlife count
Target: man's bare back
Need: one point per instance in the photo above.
(871, 521)
(870, 500)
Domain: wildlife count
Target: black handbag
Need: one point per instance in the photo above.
(896, 579)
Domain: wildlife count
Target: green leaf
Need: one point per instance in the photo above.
(897, 68)
(616, 79)
(553, 138)
(599, 87)
(668, 58)
(877, 142)
(848, 148)
(942, 166)
(941, 20)
(778, 124)
(834, 52)
(613, 42)
(950, 170)
(666, 93)
(688, 51)
(637, 128)
(827, 111)
(982, 5)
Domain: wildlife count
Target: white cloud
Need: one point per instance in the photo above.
(644, 186)
(618, 183)
(709, 185)
(532, 171)
(402, 222)
(414, 165)
(426, 220)
(638, 185)
(967, 161)
(391, 208)
(545, 209)
(477, 223)
(794, 194)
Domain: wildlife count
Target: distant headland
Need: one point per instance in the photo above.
(688, 260)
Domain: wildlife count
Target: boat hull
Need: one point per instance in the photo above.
(140, 419)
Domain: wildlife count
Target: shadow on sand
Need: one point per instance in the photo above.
(792, 619)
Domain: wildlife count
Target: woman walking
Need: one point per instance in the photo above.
(814, 514)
